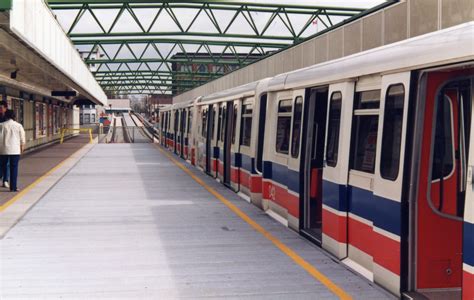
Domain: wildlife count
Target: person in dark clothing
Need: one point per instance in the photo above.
(12, 145)
(3, 109)
(6, 176)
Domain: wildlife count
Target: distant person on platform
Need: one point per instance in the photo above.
(4, 176)
(12, 143)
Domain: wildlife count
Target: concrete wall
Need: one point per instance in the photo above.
(28, 117)
(408, 18)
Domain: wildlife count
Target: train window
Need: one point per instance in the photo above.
(443, 156)
(234, 124)
(190, 118)
(246, 126)
(184, 119)
(204, 123)
(213, 122)
(219, 124)
(176, 120)
(283, 126)
(224, 122)
(367, 100)
(295, 140)
(365, 126)
(392, 132)
(334, 124)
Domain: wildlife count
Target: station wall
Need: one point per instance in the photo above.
(400, 21)
(41, 117)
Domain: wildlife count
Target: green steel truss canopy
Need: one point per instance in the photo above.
(148, 47)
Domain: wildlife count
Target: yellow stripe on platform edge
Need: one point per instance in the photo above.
(280, 245)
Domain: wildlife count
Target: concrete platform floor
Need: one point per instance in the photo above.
(35, 164)
(127, 223)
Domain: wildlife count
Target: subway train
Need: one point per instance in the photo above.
(370, 156)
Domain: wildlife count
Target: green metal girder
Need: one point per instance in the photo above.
(257, 39)
(144, 86)
(75, 36)
(159, 60)
(151, 75)
(229, 5)
(129, 41)
(5, 4)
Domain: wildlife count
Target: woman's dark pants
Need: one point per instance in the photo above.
(14, 162)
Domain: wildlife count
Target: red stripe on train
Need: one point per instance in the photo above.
(385, 251)
(335, 226)
(234, 175)
(282, 197)
(251, 181)
(467, 286)
(220, 167)
(214, 165)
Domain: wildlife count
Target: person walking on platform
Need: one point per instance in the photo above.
(5, 176)
(12, 143)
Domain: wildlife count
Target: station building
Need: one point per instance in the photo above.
(42, 75)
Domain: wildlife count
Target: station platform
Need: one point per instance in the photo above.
(35, 164)
(130, 221)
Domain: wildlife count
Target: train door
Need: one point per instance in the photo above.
(262, 115)
(221, 133)
(176, 131)
(201, 142)
(183, 132)
(169, 131)
(227, 138)
(261, 132)
(442, 182)
(390, 185)
(208, 136)
(214, 141)
(311, 168)
(235, 164)
(361, 203)
(468, 259)
(190, 136)
(163, 129)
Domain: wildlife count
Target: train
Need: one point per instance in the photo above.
(370, 156)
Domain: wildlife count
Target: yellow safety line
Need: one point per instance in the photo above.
(23, 192)
(313, 271)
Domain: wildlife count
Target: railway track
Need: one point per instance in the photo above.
(128, 128)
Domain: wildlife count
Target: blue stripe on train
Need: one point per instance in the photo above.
(282, 175)
(468, 245)
(335, 195)
(216, 152)
(248, 163)
(384, 213)
(240, 160)
(236, 159)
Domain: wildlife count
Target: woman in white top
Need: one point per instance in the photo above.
(12, 142)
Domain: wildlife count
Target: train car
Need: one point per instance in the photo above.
(371, 156)
(183, 113)
(230, 141)
(344, 155)
(166, 131)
